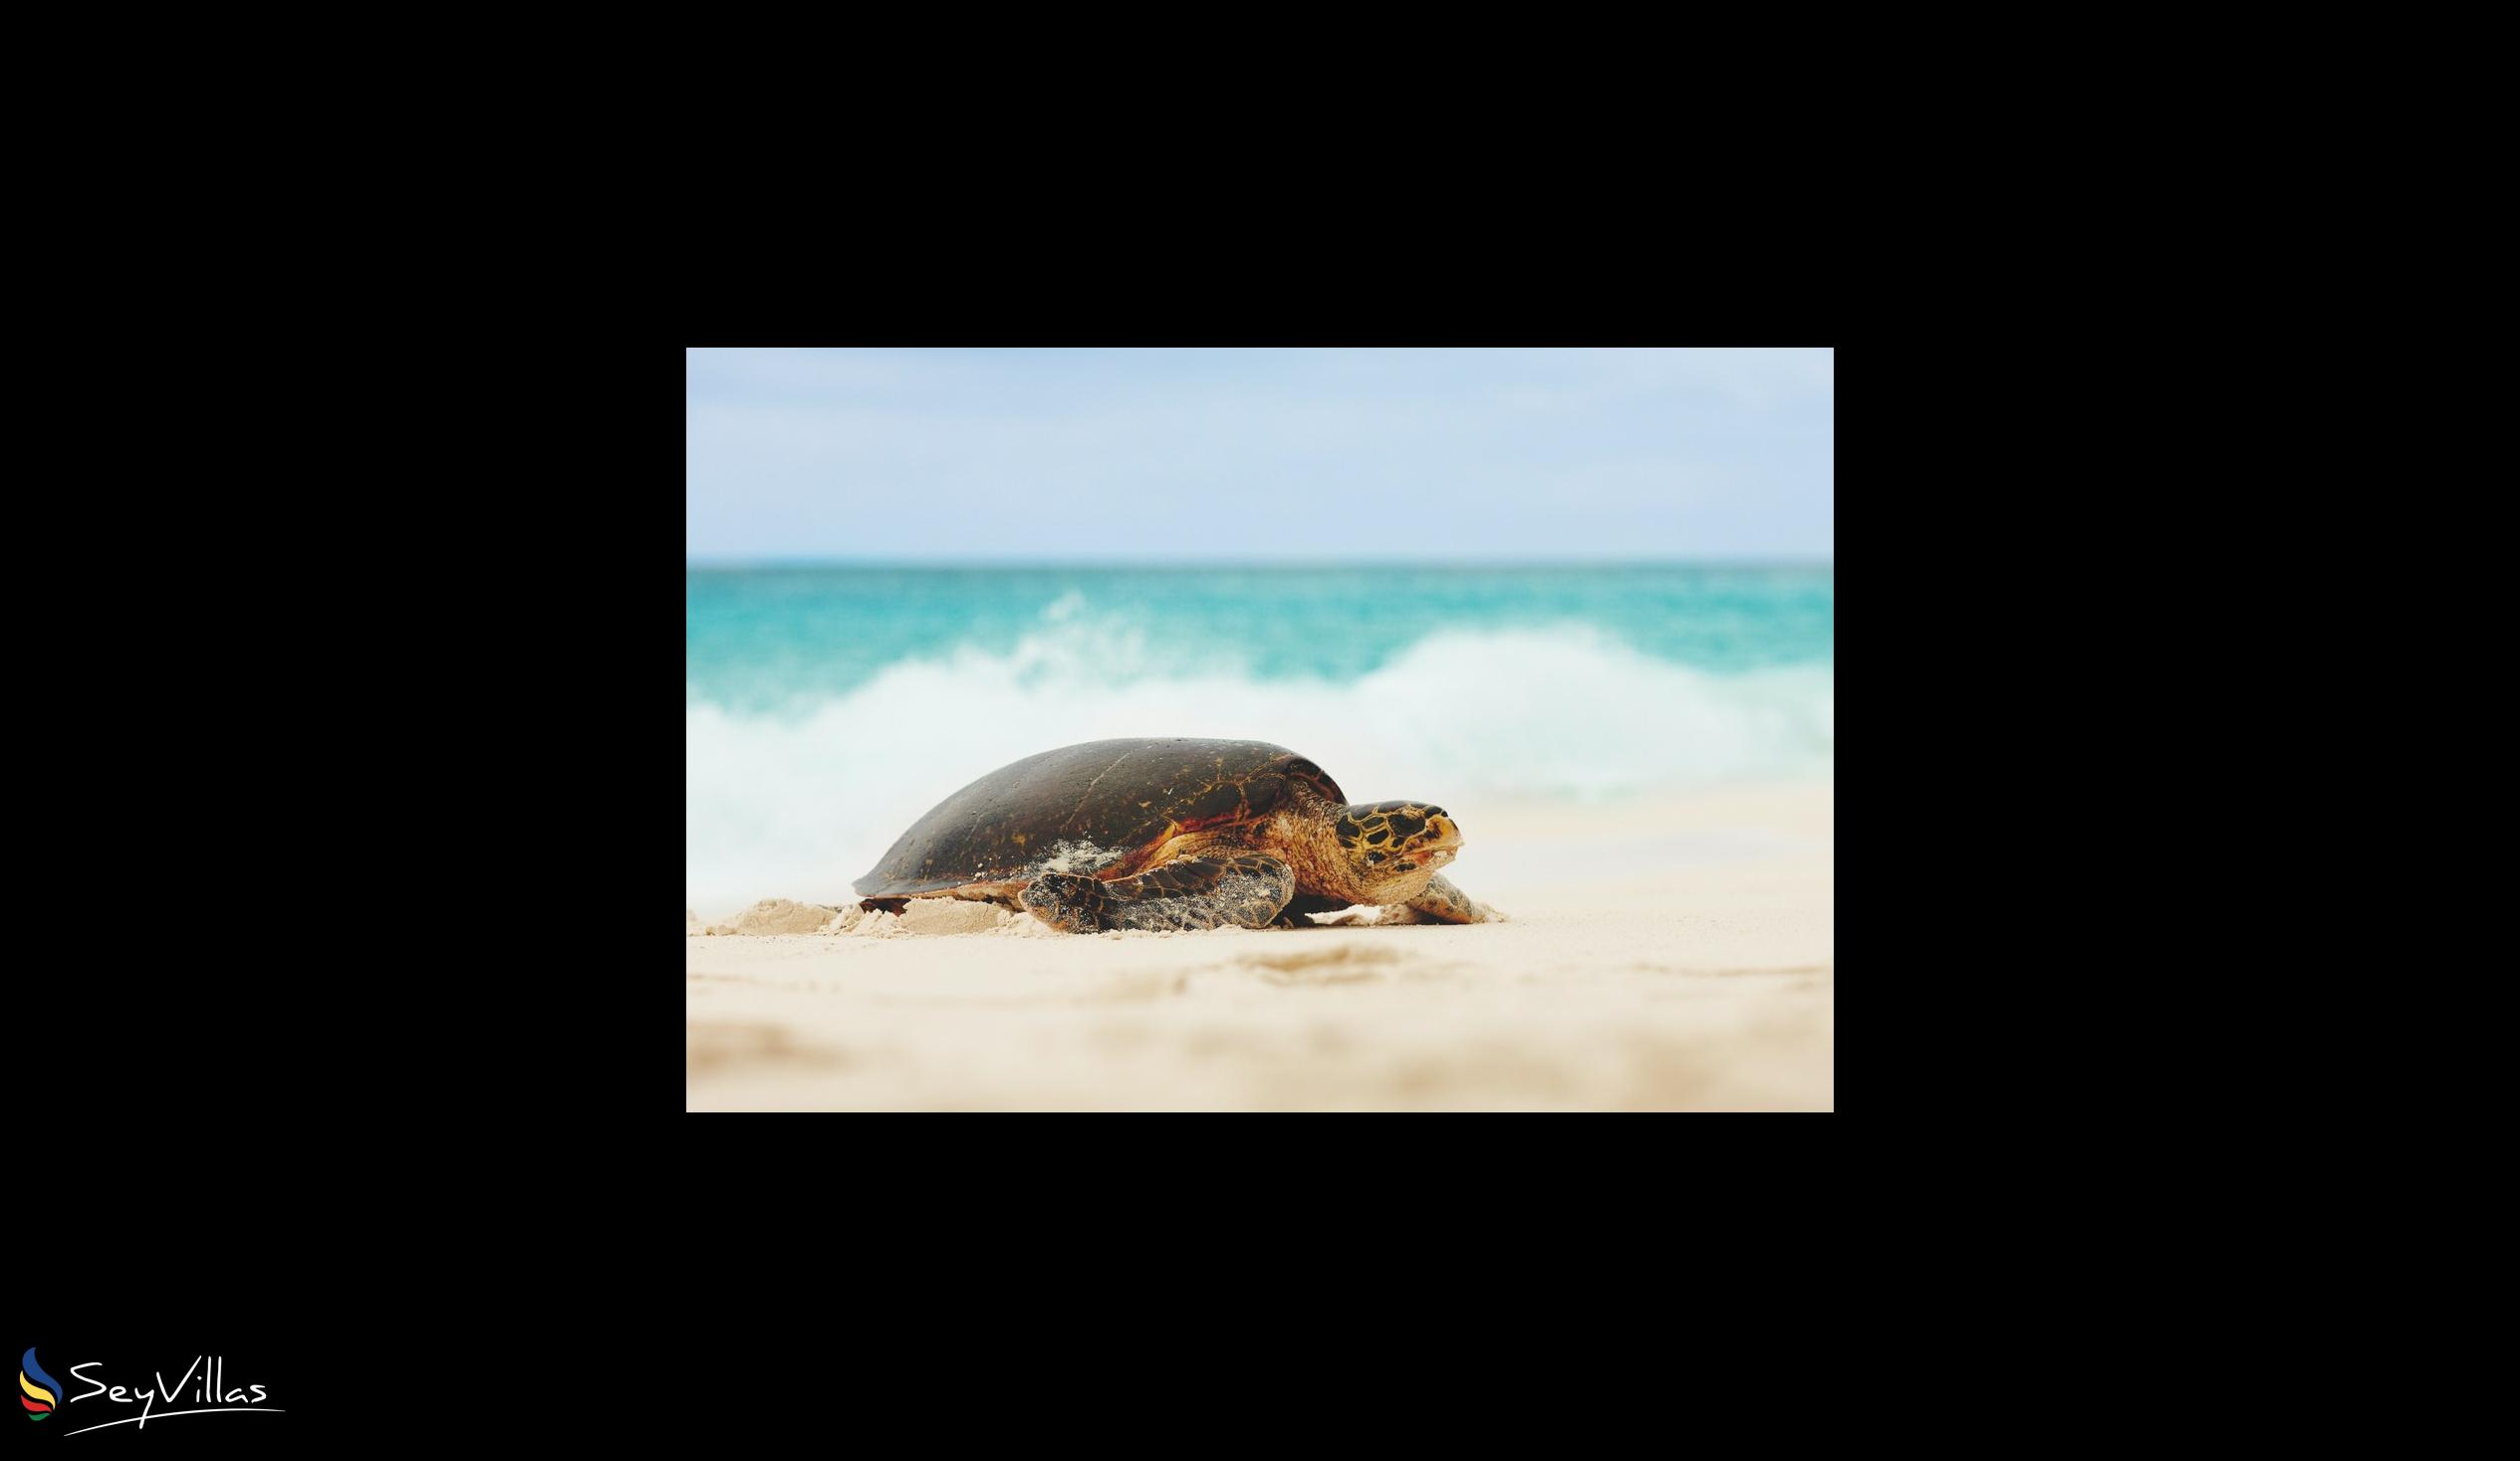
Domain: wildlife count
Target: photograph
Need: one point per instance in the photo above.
(1259, 729)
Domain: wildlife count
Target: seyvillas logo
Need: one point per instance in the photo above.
(214, 1395)
(40, 1387)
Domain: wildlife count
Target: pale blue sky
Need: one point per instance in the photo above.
(1177, 455)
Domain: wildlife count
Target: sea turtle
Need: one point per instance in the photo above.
(1172, 833)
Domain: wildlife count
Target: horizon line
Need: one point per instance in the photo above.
(807, 560)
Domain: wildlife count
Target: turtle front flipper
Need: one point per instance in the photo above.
(1245, 891)
(1441, 902)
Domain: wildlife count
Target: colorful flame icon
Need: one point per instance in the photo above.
(40, 1388)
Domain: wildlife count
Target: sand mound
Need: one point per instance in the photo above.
(931, 916)
(923, 917)
(951, 915)
(854, 921)
(778, 915)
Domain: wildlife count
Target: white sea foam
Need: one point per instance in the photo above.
(797, 806)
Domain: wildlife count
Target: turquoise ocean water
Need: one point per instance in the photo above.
(827, 707)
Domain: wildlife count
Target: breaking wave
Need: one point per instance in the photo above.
(799, 803)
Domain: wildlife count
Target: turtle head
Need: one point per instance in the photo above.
(1393, 847)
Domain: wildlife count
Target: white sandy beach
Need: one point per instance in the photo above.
(1665, 955)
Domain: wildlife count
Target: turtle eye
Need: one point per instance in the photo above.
(1374, 857)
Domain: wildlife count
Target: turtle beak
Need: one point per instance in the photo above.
(1447, 840)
